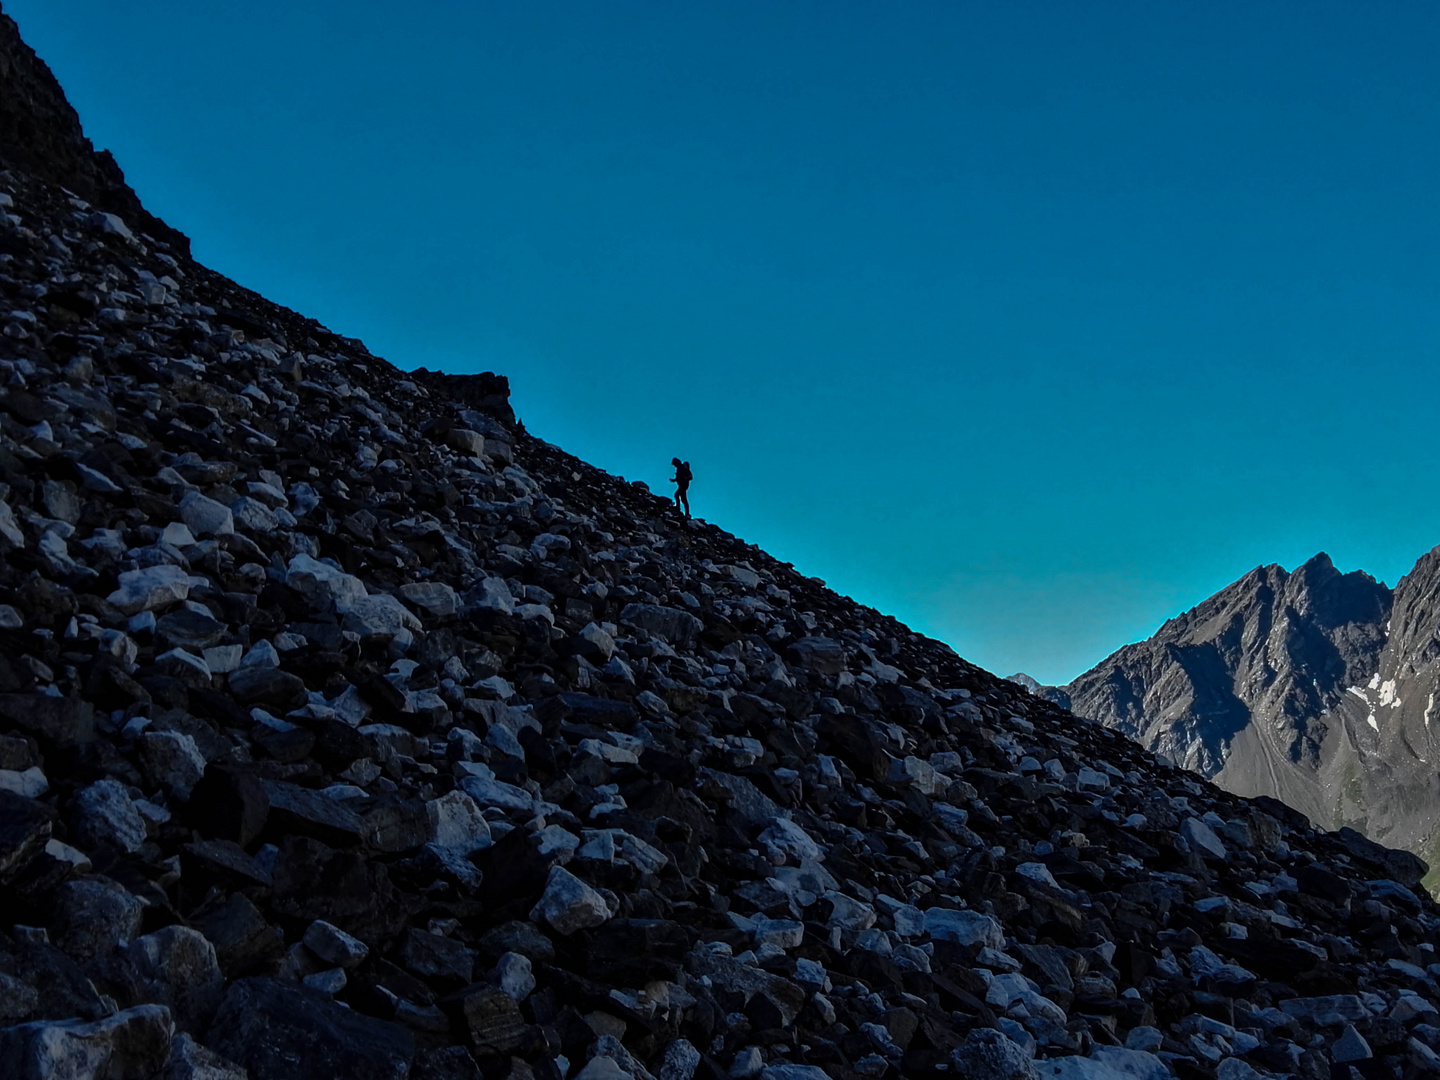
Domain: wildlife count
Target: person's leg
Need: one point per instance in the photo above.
(686, 497)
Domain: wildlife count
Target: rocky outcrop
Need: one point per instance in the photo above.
(40, 133)
(347, 729)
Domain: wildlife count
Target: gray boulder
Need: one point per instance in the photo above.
(131, 1045)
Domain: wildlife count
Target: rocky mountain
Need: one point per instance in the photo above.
(348, 730)
(1314, 687)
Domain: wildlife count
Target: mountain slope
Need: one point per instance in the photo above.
(1314, 687)
(347, 729)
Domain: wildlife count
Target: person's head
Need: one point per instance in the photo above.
(675, 461)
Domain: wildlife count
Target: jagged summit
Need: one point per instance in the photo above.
(346, 729)
(1315, 687)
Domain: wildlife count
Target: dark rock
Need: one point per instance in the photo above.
(63, 722)
(229, 803)
(279, 1032)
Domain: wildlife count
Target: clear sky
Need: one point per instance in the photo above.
(1031, 324)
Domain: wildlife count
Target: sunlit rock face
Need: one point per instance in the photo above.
(1315, 687)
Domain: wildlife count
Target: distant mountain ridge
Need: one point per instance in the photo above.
(1312, 686)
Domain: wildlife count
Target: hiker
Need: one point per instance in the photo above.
(681, 480)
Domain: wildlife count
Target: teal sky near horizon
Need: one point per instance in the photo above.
(1031, 324)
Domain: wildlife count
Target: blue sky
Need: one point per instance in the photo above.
(1031, 324)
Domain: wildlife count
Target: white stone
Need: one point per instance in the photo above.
(848, 913)
(1037, 871)
(466, 441)
(568, 904)
(494, 594)
(783, 837)
(1202, 838)
(254, 515)
(457, 823)
(178, 535)
(602, 642)
(965, 927)
(223, 659)
(205, 516)
(512, 974)
(150, 588)
(379, 614)
(322, 584)
(602, 1068)
(30, 783)
(111, 224)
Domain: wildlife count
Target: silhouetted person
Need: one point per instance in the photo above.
(681, 480)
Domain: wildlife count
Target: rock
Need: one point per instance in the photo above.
(603, 1068)
(257, 684)
(191, 1061)
(131, 1045)
(65, 722)
(25, 828)
(597, 645)
(171, 760)
(964, 927)
(491, 594)
(491, 1018)
(180, 970)
(150, 588)
(333, 945)
(568, 904)
(95, 916)
(1130, 1063)
(380, 614)
(1330, 1010)
(243, 940)
(17, 998)
(512, 973)
(1202, 838)
(323, 585)
(204, 516)
(466, 441)
(987, 1054)
(188, 629)
(679, 1061)
(783, 837)
(1350, 1046)
(230, 803)
(669, 624)
(793, 1072)
(308, 813)
(435, 958)
(457, 823)
(103, 814)
(279, 1032)
(434, 598)
(30, 784)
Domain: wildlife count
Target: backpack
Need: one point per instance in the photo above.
(683, 473)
